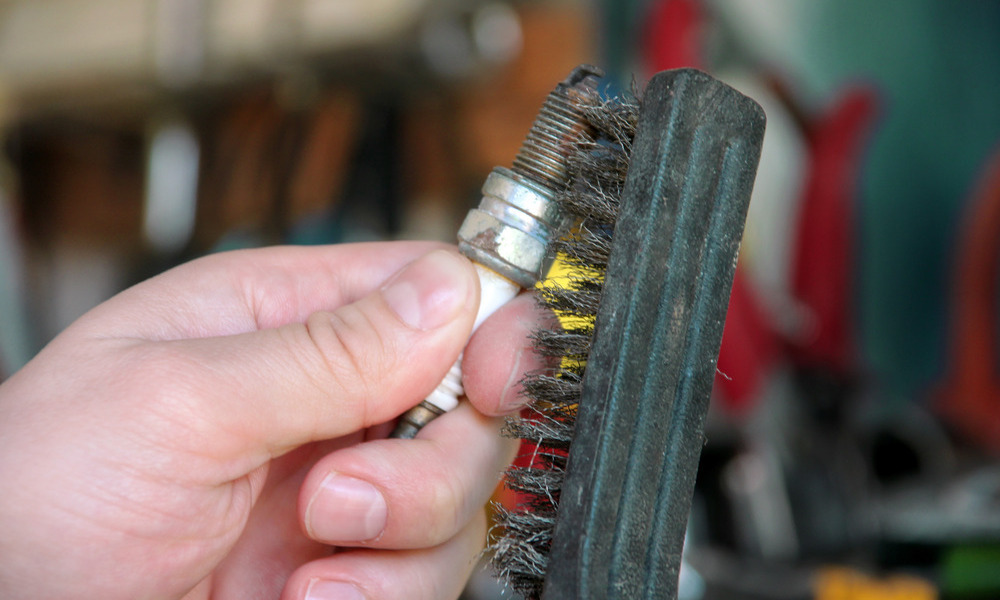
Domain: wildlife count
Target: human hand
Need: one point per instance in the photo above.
(216, 432)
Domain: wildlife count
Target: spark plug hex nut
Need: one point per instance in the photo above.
(522, 193)
(510, 230)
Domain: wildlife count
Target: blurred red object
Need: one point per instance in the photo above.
(672, 36)
(822, 265)
(823, 260)
(750, 348)
(969, 397)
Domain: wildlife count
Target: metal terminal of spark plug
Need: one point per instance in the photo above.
(507, 235)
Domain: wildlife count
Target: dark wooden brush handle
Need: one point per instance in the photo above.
(640, 428)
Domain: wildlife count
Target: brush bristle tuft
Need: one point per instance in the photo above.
(523, 536)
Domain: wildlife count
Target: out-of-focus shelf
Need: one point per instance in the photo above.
(103, 52)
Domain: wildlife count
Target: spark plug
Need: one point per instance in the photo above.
(507, 235)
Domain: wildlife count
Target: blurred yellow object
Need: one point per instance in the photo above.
(841, 583)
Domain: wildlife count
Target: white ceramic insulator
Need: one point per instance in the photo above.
(495, 291)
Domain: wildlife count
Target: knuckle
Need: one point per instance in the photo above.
(449, 505)
(165, 392)
(352, 349)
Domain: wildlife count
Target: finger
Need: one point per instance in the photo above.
(340, 371)
(246, 290)
(437, 573)
(271, 545)
(407, 493)
(500, 354)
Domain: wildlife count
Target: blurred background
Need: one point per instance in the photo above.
(852, 446)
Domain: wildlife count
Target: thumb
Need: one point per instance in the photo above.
(359, 365)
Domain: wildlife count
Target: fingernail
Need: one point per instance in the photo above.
(430, 291)
(525, 361)
(346, 509)
(322, 589)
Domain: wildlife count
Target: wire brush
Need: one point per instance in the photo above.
(658, 197)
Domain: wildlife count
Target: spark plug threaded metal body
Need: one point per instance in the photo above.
(510, 230)
(508, 234)
(559, 126)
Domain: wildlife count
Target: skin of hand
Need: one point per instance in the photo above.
(219, 432)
